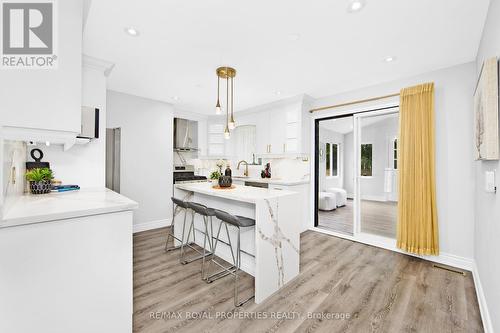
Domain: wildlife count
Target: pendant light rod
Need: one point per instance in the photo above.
(231, 122)
(218, 89)
(227, 101)
(227, 73)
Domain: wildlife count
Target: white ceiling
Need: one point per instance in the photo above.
(181, 43)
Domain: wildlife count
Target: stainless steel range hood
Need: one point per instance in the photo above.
(185, 135)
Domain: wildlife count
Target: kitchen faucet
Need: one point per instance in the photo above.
(246, 167)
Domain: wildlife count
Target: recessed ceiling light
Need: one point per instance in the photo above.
(278, 92)
(175, 98)
(132, 31)
(355, 5)
(389, 59)
(293, 37)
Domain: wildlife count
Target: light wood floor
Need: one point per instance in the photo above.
(377, 218)
(380, 290)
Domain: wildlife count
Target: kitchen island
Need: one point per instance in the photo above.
(66, 263)
(270, 250)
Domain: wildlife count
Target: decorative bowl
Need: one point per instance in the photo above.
(45, 186)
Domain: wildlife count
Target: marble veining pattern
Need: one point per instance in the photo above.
(272, 246)
(276, 240)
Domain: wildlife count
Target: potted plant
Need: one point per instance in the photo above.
(214, 176)
(40, 180)
(220, 164)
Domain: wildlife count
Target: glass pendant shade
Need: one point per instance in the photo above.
(227, 134)
(218, 109)
(231, 125)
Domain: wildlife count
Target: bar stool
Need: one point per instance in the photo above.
(180, 205)
(238, 222)
(207, 214)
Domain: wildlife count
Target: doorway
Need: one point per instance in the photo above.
(356, 173)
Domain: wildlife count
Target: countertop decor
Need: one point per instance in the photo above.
(39, 180)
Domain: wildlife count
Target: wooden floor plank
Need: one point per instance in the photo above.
(379, 291)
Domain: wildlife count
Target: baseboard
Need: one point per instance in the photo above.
(451, 260)
(151, 225)
(483, 307)
(390, 244)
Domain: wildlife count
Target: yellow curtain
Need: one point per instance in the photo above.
(417, 213)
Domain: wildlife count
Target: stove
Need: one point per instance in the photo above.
(185, 174)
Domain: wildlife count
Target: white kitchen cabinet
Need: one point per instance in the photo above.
(60, 272)
(281, 129)
(48, 99)
(285, 129)
(216, 142)
(277, 134)
(65, 257)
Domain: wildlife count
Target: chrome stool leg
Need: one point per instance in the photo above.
(201, 255)
(236, 284)
(176, 211)
(236, 267)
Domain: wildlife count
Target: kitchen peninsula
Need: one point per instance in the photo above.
(271, 248)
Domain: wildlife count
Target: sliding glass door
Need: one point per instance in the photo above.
(336, 175)
(376, 168)
(356, 172)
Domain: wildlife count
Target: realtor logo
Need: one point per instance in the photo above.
(28, 31)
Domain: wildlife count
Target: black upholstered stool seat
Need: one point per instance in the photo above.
(180, 202)
(201, 209)
(180, 206)
(238, 221)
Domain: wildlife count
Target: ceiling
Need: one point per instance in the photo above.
(181, 43)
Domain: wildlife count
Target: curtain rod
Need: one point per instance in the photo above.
(353, 102)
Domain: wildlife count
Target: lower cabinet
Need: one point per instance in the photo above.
(72, 275)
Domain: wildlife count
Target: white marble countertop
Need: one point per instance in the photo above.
(30, 209)
(238, 193)
(275, 181)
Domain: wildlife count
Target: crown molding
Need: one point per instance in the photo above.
(101, 65)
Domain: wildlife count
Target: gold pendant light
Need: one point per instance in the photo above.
(227, 73)
(218, 109)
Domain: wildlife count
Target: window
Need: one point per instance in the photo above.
(328, 155)
(395, 154)
(332, 159)
(366, 159)
(335, 160)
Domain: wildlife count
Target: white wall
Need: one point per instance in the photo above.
(83, 165)
(487, 205)
(146, 154)
(454, 165)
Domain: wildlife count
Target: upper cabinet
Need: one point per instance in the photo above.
(281, 129)
(288, 128)
(49, 98)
